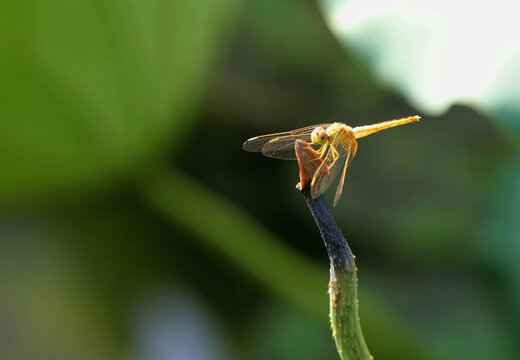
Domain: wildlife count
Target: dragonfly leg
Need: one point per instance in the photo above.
(335, 154)
(322, 149)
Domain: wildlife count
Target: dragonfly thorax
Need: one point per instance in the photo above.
(333, 129)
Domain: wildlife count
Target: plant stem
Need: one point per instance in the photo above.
(344, 316)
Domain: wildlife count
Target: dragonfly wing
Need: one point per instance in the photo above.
(283, 148)
(280, 145)
(333, 163)
(351, 152)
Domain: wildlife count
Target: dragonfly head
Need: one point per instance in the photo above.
(319, 136)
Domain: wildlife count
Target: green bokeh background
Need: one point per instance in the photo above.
(133, 226)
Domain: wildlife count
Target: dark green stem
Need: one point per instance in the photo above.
(344, 316)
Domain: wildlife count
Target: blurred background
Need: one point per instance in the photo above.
(134, 226)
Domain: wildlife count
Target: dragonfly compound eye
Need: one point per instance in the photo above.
(319, 136)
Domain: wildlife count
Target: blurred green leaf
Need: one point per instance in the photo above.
(421, 50)
(91, 89)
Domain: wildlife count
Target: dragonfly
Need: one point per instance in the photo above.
(335, 144)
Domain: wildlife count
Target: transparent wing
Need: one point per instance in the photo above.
(283, 147)
(351, 152)
(280, 145)
(334, 162)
